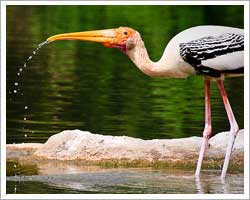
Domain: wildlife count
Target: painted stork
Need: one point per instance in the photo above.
(214, 52)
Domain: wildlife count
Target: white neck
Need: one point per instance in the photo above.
(140, 58)
(165, 67)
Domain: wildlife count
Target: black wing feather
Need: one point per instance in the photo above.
(196, 51)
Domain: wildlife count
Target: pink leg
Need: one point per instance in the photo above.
(234, 129)
(208, 127)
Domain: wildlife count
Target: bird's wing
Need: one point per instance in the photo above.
(207, 54)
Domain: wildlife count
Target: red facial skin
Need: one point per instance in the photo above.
(122, 34)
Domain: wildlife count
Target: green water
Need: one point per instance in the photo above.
(73, 84)
(82, 85)
(60, 177)
(129, 182)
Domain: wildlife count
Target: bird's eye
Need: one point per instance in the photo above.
(125, 33)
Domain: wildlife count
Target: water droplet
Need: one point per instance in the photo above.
(30, 58)
(25, 107)
(18, 74)
(25, 135)
(25, 65)
(34, 52)
(24, 118)
(43, 43)
(14, 91)
(16, 83)
(20, 69)
(22, 94)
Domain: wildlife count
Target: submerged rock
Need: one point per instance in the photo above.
(82, 145)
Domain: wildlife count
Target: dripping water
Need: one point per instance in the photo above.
(21, 69)
(17, 86)
(39, 46)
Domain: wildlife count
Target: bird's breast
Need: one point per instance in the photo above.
(177, 68)
(172, 64)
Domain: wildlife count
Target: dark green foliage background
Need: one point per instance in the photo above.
(81, 85)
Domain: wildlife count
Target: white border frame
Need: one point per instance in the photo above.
(123, 196)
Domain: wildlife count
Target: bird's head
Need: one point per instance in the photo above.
(121, 38)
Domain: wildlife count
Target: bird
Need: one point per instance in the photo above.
(211, 51)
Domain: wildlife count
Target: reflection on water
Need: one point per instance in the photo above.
(76, 177)
(118, 181)
(80, 85)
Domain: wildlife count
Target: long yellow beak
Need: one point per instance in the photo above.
(103, 36)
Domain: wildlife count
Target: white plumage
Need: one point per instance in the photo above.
(229, 61)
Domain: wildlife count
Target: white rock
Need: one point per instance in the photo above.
(221, 140)
(76, 144)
